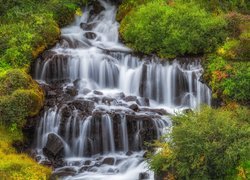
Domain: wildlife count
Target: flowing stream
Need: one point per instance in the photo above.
(103, 102)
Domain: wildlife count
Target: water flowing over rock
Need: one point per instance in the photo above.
(103, 103)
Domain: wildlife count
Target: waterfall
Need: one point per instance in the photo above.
(103, 102)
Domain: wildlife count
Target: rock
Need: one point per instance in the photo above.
(120, 95)
(54, 148)
(158, 111)
(108, 100)
(130, 98)
(129, 153)
(64, 172)
(87, 26)
(71, 90)
(143, 176)
(84, 105)
(51, 94)
(134, 107)
(66, 111)
(97, 92)
(143, 101)
(90, 35)
(109, 161)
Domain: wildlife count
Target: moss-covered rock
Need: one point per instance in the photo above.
(20, 97)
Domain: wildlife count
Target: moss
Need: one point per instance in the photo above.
(20, 97)
(18, 166)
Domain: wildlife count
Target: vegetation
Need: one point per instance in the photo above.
(172, 29)
(27, 28)
(211, 144)
(18, 166)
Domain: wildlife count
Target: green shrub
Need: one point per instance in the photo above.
(20, 97)
(179, 29)
(211, 144)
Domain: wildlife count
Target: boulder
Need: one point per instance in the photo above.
(87, 26)
(134, 107)
(97, 92)
(142, 101)
(54, 148)
(130, 98)
(143, 176)
(108, 161)
(90, 35)
(71, 90)
(84, 105)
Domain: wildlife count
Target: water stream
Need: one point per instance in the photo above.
(107, 101)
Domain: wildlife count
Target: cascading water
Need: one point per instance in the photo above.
(103, 103)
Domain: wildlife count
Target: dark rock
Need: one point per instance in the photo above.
(134, 107)
(108, 100)
(130, 98)
(46, 163)
(51, 94)
(54, 148)
(87, 163)
(143, 176)
(66, 111)
(71, 90)
(109, 161)
(64, 172)
(83, 168)
(120, 95)
(158, 111)
(87, 26)
(90, 35)
(143, 81)
(143, 101)
(84, 105)
(97, 92)
(129, 153)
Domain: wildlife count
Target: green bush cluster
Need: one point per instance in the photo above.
(20, 97)
(210, 144)
(172, 30)
(227, 71)
(29, 27)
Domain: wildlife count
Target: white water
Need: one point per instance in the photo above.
(106, 65)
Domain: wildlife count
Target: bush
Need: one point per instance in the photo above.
(171, 30)
(211, 144)
(20, 97)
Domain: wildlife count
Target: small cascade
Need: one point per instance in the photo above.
(103, 103)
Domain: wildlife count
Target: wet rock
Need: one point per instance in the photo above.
(87, 26)
(158, 111)
(143, 81)
(129, 153)
(97, 92)
(84, 105)
(71, 90)
(87, 163)
(108, 100)
(51, 94)
(83, 168)
(143, 101)
(109, 161)
(134, 107)
(66, 112)
(120, 95)
(90, 35)
(54, 148)
(130, 98)
(64, 172)
(143, 176)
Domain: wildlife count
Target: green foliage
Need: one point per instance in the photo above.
(29, 27)
(18, 166)
(211, 144)
(20, 97)
(171, 30)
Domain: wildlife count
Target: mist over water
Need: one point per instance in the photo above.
(121, 101)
